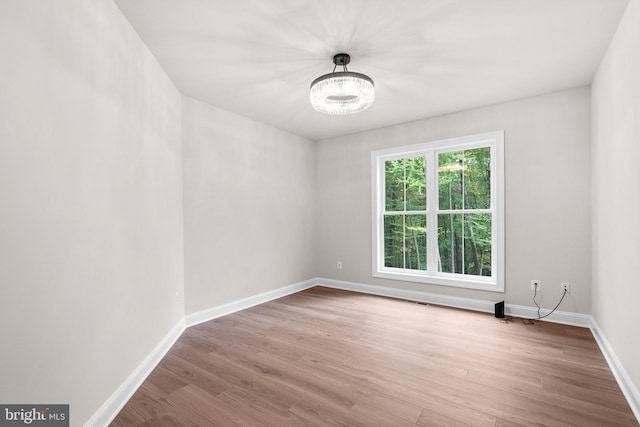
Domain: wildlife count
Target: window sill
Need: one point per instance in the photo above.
(442, 279)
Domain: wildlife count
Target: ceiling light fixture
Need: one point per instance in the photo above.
(342, 92)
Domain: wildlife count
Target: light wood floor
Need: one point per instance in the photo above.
(325, 357)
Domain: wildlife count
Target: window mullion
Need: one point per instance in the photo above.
(432, 208)
(463, 264)
(404, 240)
(404, 209)
(404, 185)
(381, 208)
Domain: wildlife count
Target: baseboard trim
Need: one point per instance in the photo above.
(232, 307)
(574, 319)
(622, 378)
(567, 318)
(114, 404)
(121, 396)
(563, 317)
(449, 301)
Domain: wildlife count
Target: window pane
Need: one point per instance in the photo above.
(468, 250)
(450, 243)
(394, 241)
(416, 242)
(416, 183)
(450, 178)
(477, 178)
(477, 244)
(394, 185)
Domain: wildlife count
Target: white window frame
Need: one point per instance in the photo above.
(494, 140)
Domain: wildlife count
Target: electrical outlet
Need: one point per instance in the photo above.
(535, 285)
(564, 287)
(339, 265)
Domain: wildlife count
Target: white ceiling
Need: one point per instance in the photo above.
(427, 57)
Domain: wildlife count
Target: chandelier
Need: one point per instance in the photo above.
(342, 92)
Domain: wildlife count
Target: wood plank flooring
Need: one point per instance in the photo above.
(325, 357)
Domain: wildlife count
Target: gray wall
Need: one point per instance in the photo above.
(93, 182)
(547, 186)
(616, 192)
(249, 207)
(91, 203)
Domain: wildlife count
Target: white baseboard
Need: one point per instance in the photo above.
(232, 307)
(121, 396)
(564, 317)
(449, 301)
(574, 319)
(624, 381)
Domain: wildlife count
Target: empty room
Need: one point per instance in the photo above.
(319, 213)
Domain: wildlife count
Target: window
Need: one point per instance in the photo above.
(438, 212)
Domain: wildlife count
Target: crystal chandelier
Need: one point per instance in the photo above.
(342, 92)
